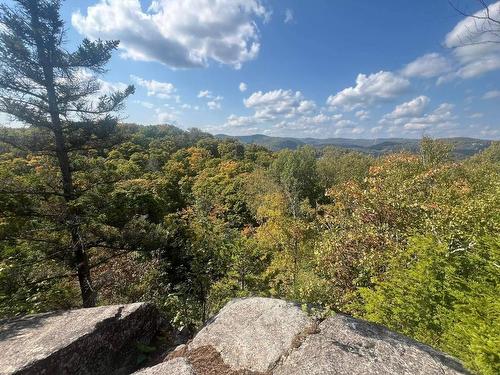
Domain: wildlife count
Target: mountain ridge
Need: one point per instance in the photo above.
(463, 146)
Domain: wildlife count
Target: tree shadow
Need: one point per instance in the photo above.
(14, 327)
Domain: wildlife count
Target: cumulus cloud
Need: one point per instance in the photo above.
(377, 87)
(212, 104)
(362, 115)
(486, 131)
(412, 108)
(409, 117)
(475, 51)
(213, 101)
(281, 111)
(235, 121)
(166, 114)
(427, 66)
(471, 41)
(344, 123)
(165, 117)
(442, 117)
(178, 33)
(162, 90)
(492, 94)
(204, 94)
(242, 87)
(288, 16)
(280, 102)
(476, 115)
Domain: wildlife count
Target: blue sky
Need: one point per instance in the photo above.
(319, 68)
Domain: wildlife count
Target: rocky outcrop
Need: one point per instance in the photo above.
(269, 336)
(254, 333)
(260, 336)
(344, 345)
(87, 341)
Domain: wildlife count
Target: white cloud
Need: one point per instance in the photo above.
(492, 94)
(178, 33)
(487, 131)
(412, 108)
(214, 102)
(240, 121)
(362, 115)
(289, 16)
(345, 124)
(475, 51)
(204, 94)
(280, 102)
(85, 77)
(320, 118)
(145, 104)
(442, 117)
(483, 65)
(163, 90)
(381, 86)
(287, 111)
(470, 40)
(321, 122)
(476, 115)
(427, 66)
(110, 87)
(242, 87)
(306, 106)
(165, 117)
(409, 117)
(9, 121)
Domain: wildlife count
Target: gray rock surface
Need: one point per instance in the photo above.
(248, 336)
(86, 341)
(253, 333)
(176, 366)
(349, 346)
(270, 336)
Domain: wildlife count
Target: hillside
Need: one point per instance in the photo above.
(463, 147)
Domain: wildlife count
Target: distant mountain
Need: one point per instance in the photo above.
(463, 147)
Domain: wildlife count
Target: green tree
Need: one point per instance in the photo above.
(433, 151)
(55, 91)
(336, 166)
(446, 298)
(296, 173)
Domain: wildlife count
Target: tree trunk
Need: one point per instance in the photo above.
(83, 269)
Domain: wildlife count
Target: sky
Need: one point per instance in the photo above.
(318, 68)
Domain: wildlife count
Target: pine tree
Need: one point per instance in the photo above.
(56, 94)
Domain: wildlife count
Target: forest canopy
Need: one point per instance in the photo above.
(189, 221)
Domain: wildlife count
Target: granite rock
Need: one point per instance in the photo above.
(85, 341)
(253, 333)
